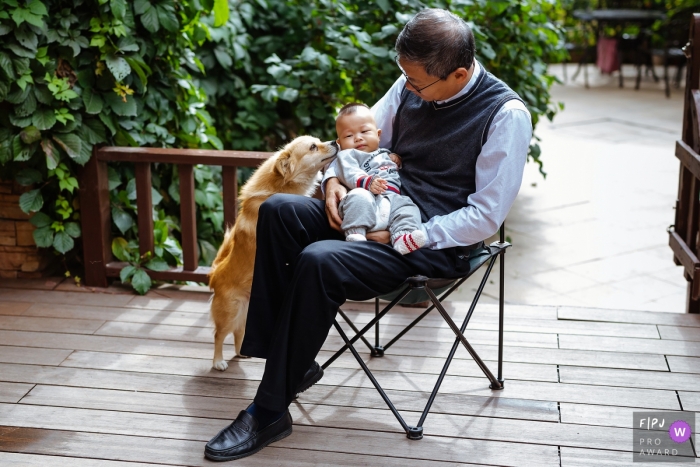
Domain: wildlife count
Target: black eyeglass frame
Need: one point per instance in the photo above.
(416, 88)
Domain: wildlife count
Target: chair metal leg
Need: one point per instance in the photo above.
(501, 303)
(367, 326)
(354, 328)
(411, 432)
(378, 350)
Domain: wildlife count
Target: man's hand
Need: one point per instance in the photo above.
(378, 186)
(396, 159)
(380, 236)
(334, 193)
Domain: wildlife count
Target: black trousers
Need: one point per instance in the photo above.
(304, 271)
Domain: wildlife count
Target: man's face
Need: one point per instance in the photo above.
(358, 130)
(431, 87)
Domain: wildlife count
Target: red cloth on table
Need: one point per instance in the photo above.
(608, 57)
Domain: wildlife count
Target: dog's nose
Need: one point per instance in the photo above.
(334, 144)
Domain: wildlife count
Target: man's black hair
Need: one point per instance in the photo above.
(438, 40)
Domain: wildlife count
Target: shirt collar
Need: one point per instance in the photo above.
(470, 84)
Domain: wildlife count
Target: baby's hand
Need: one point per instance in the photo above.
(378, 186)
(395, 159)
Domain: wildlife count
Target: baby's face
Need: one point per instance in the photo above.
(358, 131)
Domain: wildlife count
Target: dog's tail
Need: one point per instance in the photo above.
(223, 254)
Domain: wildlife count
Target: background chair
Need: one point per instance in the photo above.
(417, 289)
(675, 31)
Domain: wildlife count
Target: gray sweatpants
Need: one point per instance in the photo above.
(364, 212)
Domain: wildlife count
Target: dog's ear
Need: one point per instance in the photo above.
(285, 164)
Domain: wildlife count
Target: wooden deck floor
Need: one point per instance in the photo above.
(104, 379)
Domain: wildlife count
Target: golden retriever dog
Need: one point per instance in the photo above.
(291, 170)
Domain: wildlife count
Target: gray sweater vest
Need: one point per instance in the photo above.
(439, 144)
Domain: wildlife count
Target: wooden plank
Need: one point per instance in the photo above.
(688, 157)
(76, 298)
(188, 217)
(184, 156)
(578, 457)
(625, 316)
(690, 400)
(229, 181)
(452, 306)
(586, 414)
(333, 376)
(683, 253)
(681, 333)
(30, 323)
(130, 315)
(370, 421)
(162, 304)
(13, 392)
(144, 206)
(179, 273)
(226, 387)
(180, 333)
(35, 460)
(126, 345)
(684, 364)
(300, 452)
(14, 308)
(33, 356)
(228, 408)
(95, 221)
(630, 378)
(621, 344)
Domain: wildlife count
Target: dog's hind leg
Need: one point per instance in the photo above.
(219, 362)
(239, 328)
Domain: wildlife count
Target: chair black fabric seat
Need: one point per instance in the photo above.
(418, 289)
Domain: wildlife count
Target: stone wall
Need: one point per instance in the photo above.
(19, 256)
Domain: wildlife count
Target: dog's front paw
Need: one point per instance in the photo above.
(220, 365)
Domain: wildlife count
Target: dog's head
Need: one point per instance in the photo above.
(304, 156)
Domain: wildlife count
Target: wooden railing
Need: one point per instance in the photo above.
(684, 239)
(96, 212)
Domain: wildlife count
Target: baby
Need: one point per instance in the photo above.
(374, 201)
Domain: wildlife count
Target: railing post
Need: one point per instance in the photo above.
(144, 206)
(188, 217)
(229, 176)
(95, 219)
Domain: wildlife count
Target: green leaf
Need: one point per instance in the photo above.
(221, 12)
(21, 51)
(20, 151)
(118, 66)
(140, 281)
(27, 176)
(26, 37)
(70, 143)
(122, 220)
(121, 108)
(167, 18)
(93, 131)
(109, 123)
(5, 151)
(113, 179)
(118, 8)
(157, 264)
(136, 66)
(31, 201)
(93, 102)
(141, 6)
(126, 273)
(62, 242)
(30, 135)
(72, 229)
(27, 107)
(44, 118)
(120, 249)
(6, 65)
(43, 237)
(37, 8)
(149, 19)
(40, 220)
(19, 96)
(53, 157)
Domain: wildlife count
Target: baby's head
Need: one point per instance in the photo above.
(356, 128)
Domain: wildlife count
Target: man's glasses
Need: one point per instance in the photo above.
(416, 88)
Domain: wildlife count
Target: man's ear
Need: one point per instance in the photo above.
(461, 74)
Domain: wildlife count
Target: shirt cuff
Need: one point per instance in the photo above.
(428, 243)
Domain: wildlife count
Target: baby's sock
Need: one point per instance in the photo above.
(355, 235)
(405, 243)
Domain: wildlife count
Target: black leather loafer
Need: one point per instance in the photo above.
(312, 376)
(242, 437)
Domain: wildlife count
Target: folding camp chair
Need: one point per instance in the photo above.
(419, 288)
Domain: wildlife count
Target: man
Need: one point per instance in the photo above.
(463, 137)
